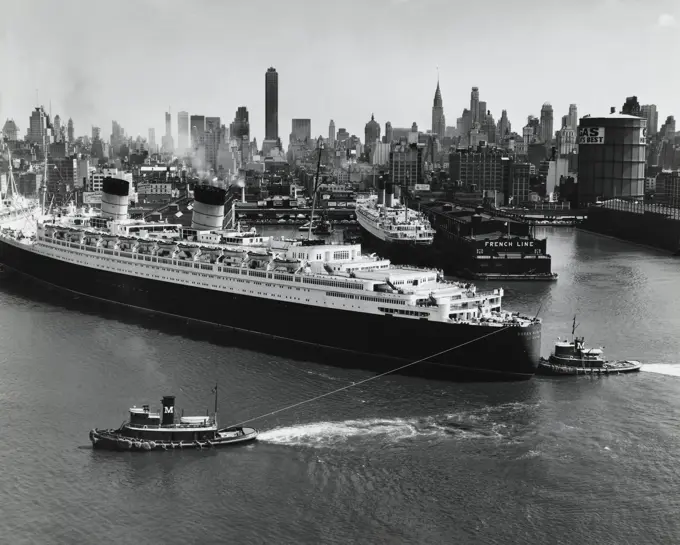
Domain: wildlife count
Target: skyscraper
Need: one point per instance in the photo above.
(573, 116)
(168, 143)
(197, 130)
(152, 140)
(547, 123)
(474, 105)
(240, 127)
(37, 126)
(182, 132)
(371, 132)
(652, 116)
(271, 99)
(57, 128)
(71, 136)
(438, 119)
(389, 135)
(301, 130)
(482, 112)
(331, 134)
(503, 126)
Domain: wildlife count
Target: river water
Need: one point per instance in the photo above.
(397, 460)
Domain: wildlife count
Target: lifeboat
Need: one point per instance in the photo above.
(126, 244)
(146, 246)
(188, 251)
(210, 255)
(290, 265)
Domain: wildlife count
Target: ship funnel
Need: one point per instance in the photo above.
(168, 417)
(381, 190)
(389, 194)
(208, 211)
(115, 198)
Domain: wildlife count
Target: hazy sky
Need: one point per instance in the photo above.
(131, 60)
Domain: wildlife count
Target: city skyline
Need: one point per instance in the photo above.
(74, 72)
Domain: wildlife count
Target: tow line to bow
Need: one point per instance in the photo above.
(364, 381)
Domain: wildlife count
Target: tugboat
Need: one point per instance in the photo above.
(573, 358)
(324, 227)
(148, 430)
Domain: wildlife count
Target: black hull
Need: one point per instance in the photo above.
(372, 342)
(112, 440)
(457, 258)
(400, 253)
(548, 369)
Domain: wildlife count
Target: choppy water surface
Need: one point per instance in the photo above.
(395, 460)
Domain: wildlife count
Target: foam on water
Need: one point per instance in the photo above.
(669, 369)
(390, 430)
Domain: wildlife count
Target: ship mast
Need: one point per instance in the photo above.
(215, 403)
(44, 182)
(316, 186)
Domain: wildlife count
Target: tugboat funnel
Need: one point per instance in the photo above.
(168, 410)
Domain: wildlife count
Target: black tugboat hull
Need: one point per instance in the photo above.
(344, 338)
(112, 440)
(547, 368)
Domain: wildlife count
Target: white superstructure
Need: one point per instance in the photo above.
(396, 223)
(304, 272)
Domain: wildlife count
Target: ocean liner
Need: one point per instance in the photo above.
(476, 245)
(393, 229)
(330, 296)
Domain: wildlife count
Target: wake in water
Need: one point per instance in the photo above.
(387, 430)
(669, 369)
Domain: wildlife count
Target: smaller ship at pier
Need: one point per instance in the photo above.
(574, 358)
(472, 243)
(147, 430)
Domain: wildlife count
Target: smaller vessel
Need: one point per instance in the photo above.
(147, 430)
(324, 227)
(574, 358)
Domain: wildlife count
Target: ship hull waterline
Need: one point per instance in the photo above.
(112, 440)
(356, 340)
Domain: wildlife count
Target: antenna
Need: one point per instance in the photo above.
(437, 73)
(37, 102)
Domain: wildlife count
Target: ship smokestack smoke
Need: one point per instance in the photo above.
(168, 417)
(115, 198)
(381, 190)
(389, 194)
(208, 214)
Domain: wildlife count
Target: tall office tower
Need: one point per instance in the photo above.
(503, 126)
(271, 91)
(331, 134)
(197, 130)
(573, 116)
(57, 128)
(438, 119)
(37, 126)
(70, 131)
(371, 132)
(482, 112)
(474, 105)
(389, 135)
(649, 112)
(301, 130)
(152, 140)
(183, 131)
(168, 143)
(240, 127)
(546, 123)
